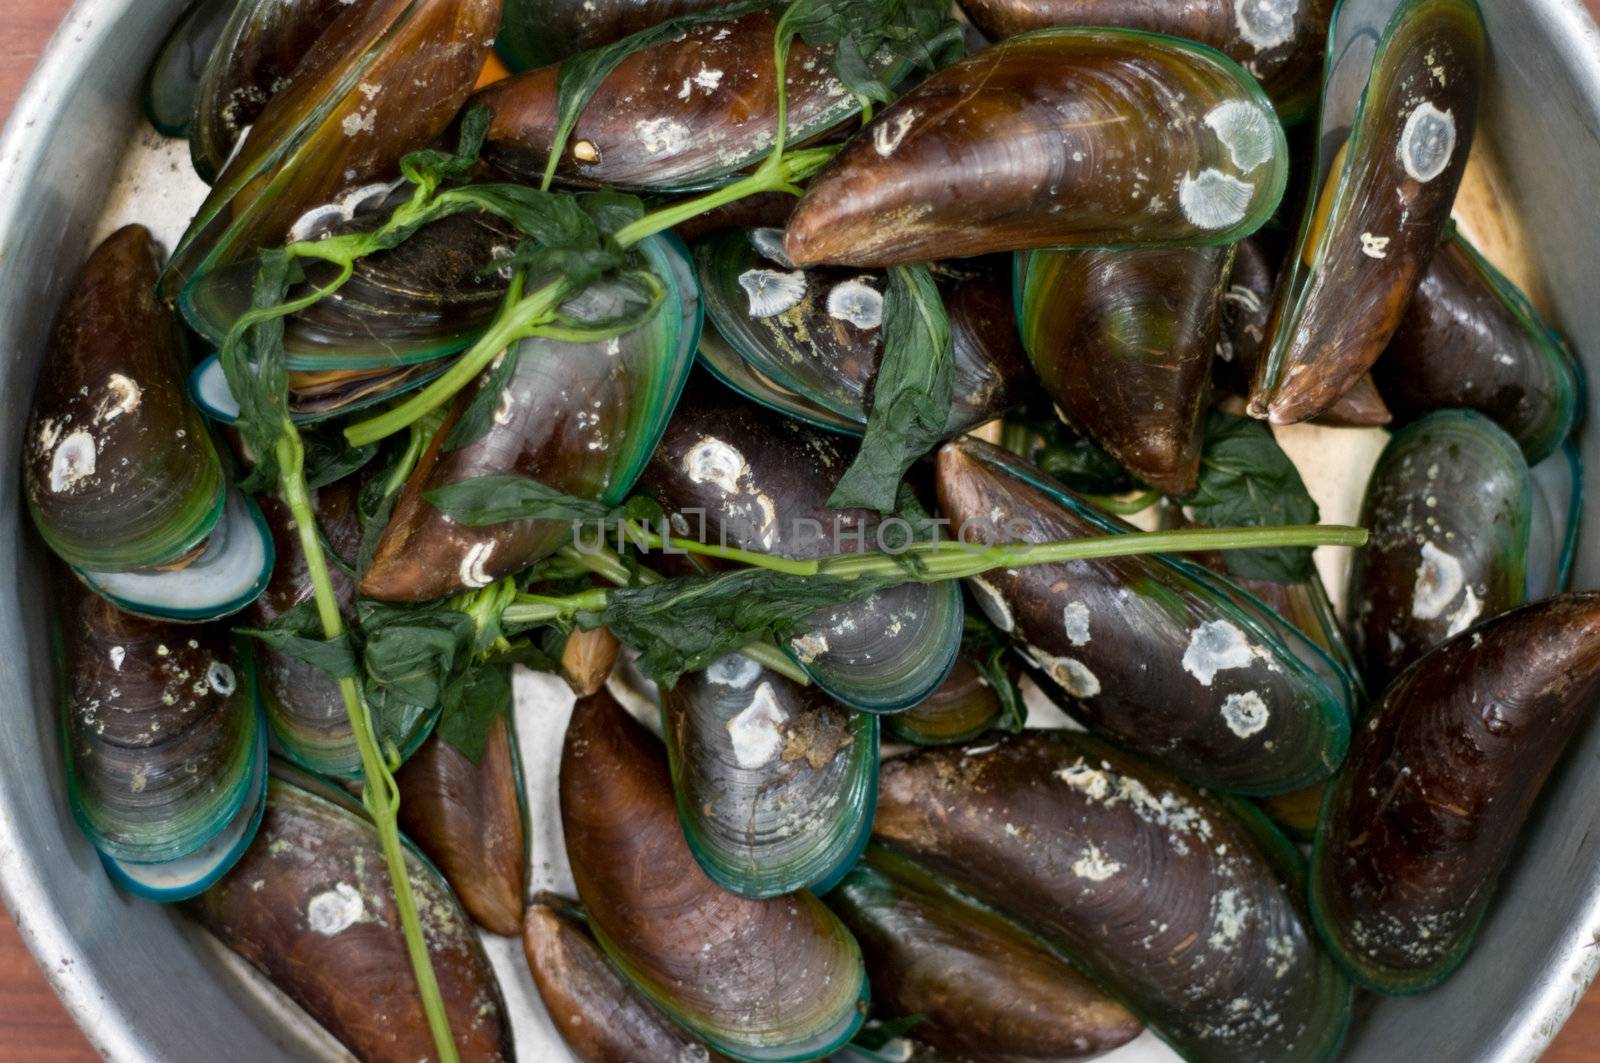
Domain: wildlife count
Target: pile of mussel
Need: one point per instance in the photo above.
(1021, 816)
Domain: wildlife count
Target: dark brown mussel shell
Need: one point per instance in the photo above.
(677, 114)
(468, 818)
(818, 333)
(1185, 908)
(535, 33)
(982, 986)
(1057, 138)
(388, 77)
(1426, 811)
(1472, 340)
(580, 417)
(1153, 651)
(728, 471)
(173, 81)
(252, 60)
(311, 907)
(964, 706)
(1123, 343)
(599, 1014)
(1282, 44)
(1399, 109)
(775, 979)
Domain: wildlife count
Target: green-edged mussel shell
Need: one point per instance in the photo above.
(119, 471)
(1156, 652)
(981, 986)
(386, 78)
(1184, 907)
(1399, 109)
(159, 726)
(736, 473)
(582, 418)
(963, 707)
(678, 114)
(535, 33)
(817, 333)
(250, 60)
(1470, 339)
(775, 782)
(1282, 44)
(311, 906)
(1427, 809)
(470, 819)
(173, 83)
(1123, 343)
(1057, 138)
(774, 979)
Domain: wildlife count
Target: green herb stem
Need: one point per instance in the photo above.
(1125, 507)
(380, 795)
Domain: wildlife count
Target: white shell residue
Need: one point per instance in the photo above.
(1245, 714)
(221, 679)
(335, 911)
(887, 135)
(73, 462)
(809, 647)
(1265, 24)
(1216, 646)
(1095, 865)
(756, 733)
(1072, 674)
(1246, 131)
(993, 605)
(715, 462)
(735, 670)
(1439, 582)
(122, 396)
(662, 136)
(1374, 246)
(473, 574)
(1427, 142)
(1213, 199)
(856, 302)
(771, 292)
(1075, 622)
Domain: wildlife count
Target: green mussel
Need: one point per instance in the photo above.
(1156, 652)
(165, 750)
(1462, 530)
(964, 706)
(728, 471)
(977, 985)
(774, 979)
(1472, 340)
(594, 449)
(1399, 109)
(816, 334)
(775, 782)
(1426, 812)
(1183, 906)
(173, 82)
(311, 907)
(1057, 138)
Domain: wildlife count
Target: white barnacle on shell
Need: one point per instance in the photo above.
(1248, 132)
(1428, 142)
(1212, 199)
(756, 733)
(856, 302)
(1245, 714)
(771, 291)
(72, 462)
(889, 132)
(715, 462)
(335, 911)
(473, 572)
(1265, 24)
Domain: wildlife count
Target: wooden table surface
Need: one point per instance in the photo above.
(33, 1026)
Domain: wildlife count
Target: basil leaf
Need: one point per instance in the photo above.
(871, 36)
(298, 634)
(476, 420)
(431, 167)
(329, 458)
(990, 655)
(256, 368)
(413, 653)
(912, 394)
(682, 625)
(488, 500)
(475, 700)
(1246, 480)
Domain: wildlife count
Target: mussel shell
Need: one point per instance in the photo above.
(595, 448)
(428, 298)
(1186, 909)
(312, 907)
(1061, 137)
(119, 471)
(1399, 110)
(963, 707)
(775, 979)
(678, 114)
(601, 1017)
(469, 820)
(730, 472)
(252, 58)
(775, 782)
(386, 78)
(1123, 342)
(983, 987)
(173, 82)
(818, 333)
(160, 729)
(1450, 511)
(1471, 340)
(534, 33)
(313, 397)
(1282, 44)
(1427, 809)
(1156, 652)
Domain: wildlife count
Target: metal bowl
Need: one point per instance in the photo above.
(143, 985)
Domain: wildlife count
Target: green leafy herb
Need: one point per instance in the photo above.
(298, 634)
(990, 655)
(329, 458)
(412, 654)
(871, 36)
(494, 499)
(256, 368)
(478, 417)
(1246, 480)
(682, 625)
(1061, 453)
(429, 168)
(476, 699)
(911, 398)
